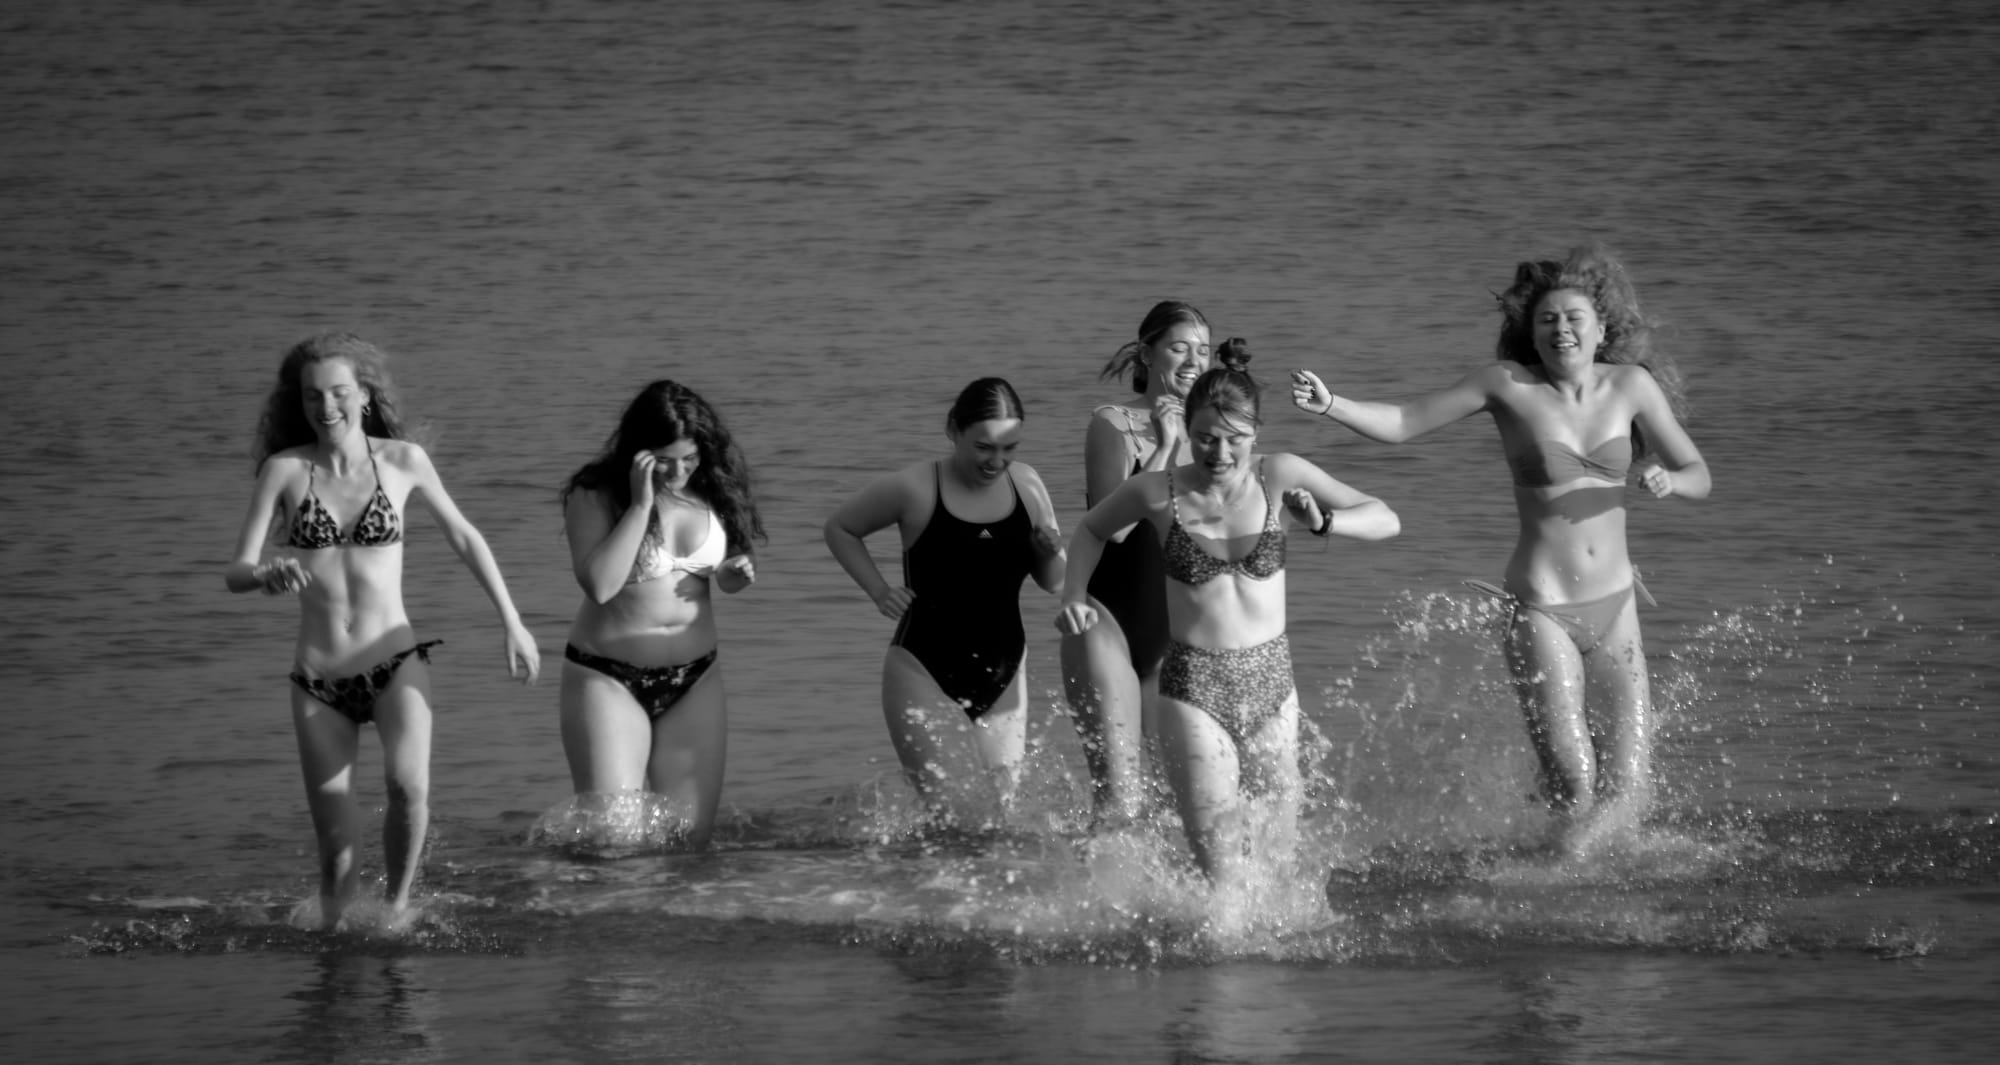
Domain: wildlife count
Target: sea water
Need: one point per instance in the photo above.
(827, 218)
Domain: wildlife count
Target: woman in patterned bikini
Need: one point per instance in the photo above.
(656, 519)
(1227, 710)
(335, 473)
(1579, 393)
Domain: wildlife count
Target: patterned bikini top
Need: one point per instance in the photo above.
(313, 526)
(1189, 564)
(654, 561)
(1548, 462)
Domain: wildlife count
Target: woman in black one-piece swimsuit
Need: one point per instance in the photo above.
(972, 525)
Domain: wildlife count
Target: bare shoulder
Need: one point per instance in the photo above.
(1630, 375)
(1025, 474)
(1507, 374)
(282, 466)
(919, 475)
(1116, 415)
(581, 501)
(908, 486)
(1282, 463)
(1150, 485)
(1282, 469)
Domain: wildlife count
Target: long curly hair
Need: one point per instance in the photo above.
(1628, 333)
(663, 412)
(1131, 358)
(1228, 387)
(284, 423)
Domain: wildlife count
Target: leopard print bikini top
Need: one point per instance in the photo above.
(1189, 564)
(314, 527)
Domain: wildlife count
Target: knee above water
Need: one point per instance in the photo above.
(408, 794)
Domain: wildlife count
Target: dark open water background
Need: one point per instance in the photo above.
(827, 217)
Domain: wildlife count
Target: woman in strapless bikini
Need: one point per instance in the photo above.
(1580, 396)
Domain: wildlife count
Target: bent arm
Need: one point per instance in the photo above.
(1047, 535)
(243, 573)
(601, 550)
(1393, 423)
(737, 572)
(1122, 509)
(1346, 511)
(1687, 473)
(873, 509)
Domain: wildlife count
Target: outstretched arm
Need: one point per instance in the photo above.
(1327, 506)
(1393, 423)
(524, 659)
(875, 508)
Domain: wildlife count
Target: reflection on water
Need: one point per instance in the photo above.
(625, 1008)
(365, 1009)
(1604, 1009)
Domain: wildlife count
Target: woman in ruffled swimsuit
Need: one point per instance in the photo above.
(1579, 394)
(656, 519)
(1110, 670)
(973, 526)
(334, 474)
(1228, 714)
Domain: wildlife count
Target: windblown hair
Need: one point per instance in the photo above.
(662, 413)
(1628, 332)
(983, 400)
(1228, 387)
(1132, 357)
(284, 423)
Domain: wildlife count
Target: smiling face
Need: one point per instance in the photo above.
(1178, 357)
(333, 398)
(674, 465)
(982, 451)
(1567, 329)
(1222, 444)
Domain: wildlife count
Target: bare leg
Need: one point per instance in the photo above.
(928, 730)
(1270, 768)
(1001, 736)
(606, 736)
(690, 744)
(327, 743)
(1621, 727)
(403, 718)
(1107, 702)
(1203, 769)
(1548, 675)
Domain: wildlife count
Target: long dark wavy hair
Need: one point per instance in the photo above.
(1131, 358)
(1628, 333)
(284, 423)
(1228, 387)
(663, 412)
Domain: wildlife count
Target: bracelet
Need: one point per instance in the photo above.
(1325, 523)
